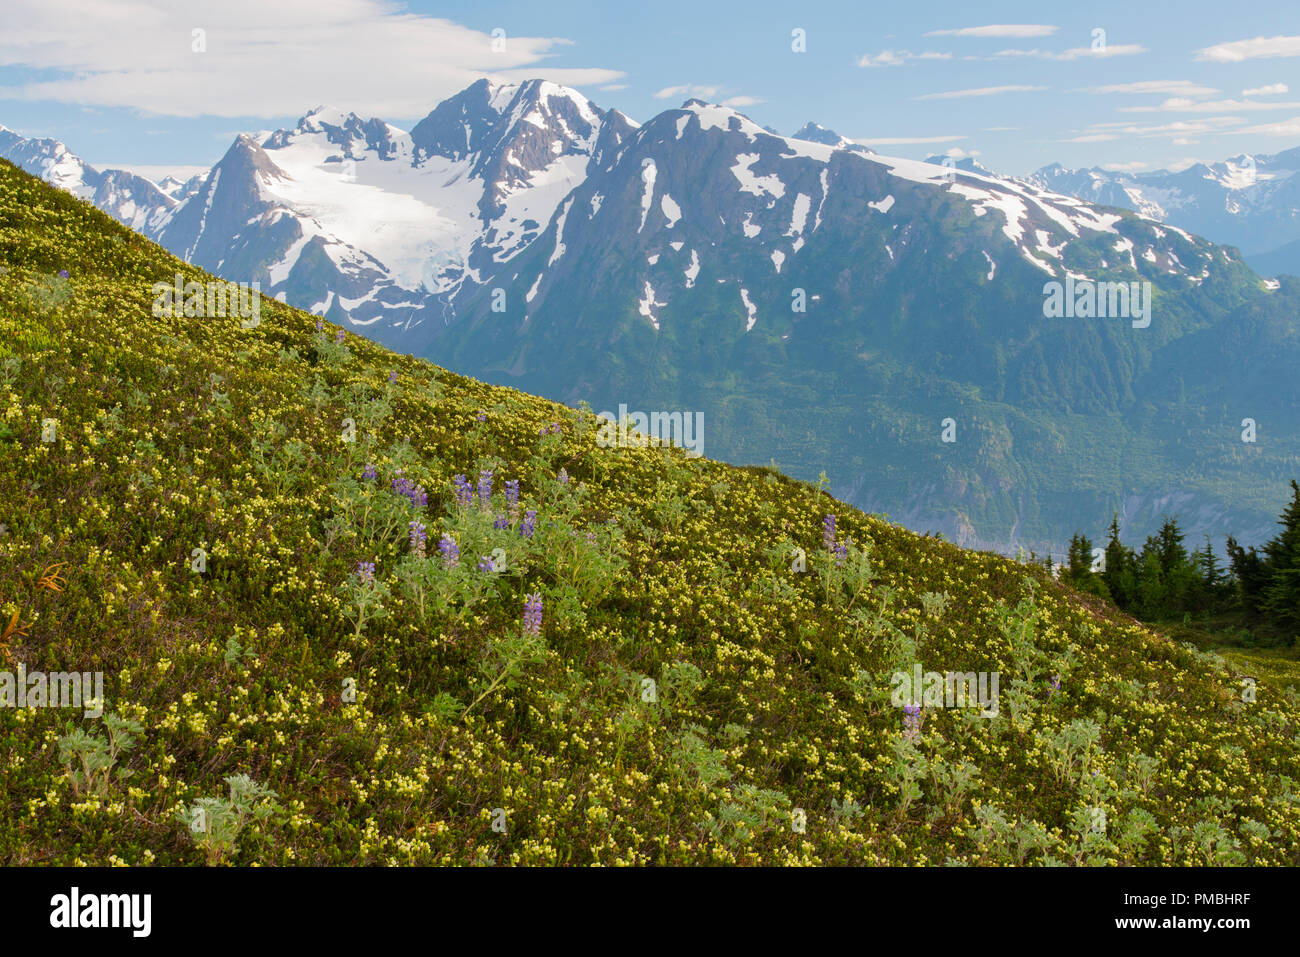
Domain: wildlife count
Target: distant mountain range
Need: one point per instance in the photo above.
(1251, 202)
(824, 306)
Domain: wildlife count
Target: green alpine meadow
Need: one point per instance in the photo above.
(348, 608)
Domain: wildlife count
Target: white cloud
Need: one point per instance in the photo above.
(1181, 128)
(710, 93)
(1258, 48)
(1092, 138)
(1165, 87)
(1289, 127)
(903, 140)
(1183, 105)
(1270, 89)
(264, 60)
(978, 91)
(998, 30)
(687, 90)
(1076, 53)
(156, 173)
(899, 57)
(1132, 167)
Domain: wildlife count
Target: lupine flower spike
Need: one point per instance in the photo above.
(450, 551)
(464, 491)
(418, 538)
(533, 614)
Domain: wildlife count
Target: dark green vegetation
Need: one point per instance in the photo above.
(1259, 588)
(221, 524)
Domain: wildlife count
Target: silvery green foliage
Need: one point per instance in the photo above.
(215, 823)
(91, 757)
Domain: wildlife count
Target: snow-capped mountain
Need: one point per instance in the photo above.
(1251, 202)
(131, 199)
(393, 231)
(816, 133)
(375, 226)
(820, 304)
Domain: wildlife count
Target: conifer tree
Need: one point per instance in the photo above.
(1280, 600)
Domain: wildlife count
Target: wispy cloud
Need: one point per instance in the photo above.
(1289, 127)
(262, 60)
(1076, 53)
(1092, 138)
(1271, 89)
(1183, 128)
(977, 91)
(1258, 48)
(1132, 167)
(1163, 87)
(738, 102)
(687, 89)
(904, 140)
(1020, 30)
(899, 57)
(1182, 105)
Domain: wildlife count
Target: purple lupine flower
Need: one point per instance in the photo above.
(828, 532)
(464, 491)
(392, 378)
(563, 477)
(450, 550)
(555, 427)
(486, 565)
(419, 536)
(501, 523)
(340, 336)
(512, 492)
(1056, 684)
(911, 720)
(370, 474)
(416, 494)
(485, 486)
(366, 572)
(533, 614)
(63, 274)
(320, 325)
(841, 554)
(526, 528)
(481, 417)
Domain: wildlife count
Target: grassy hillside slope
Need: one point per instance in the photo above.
(688, 697)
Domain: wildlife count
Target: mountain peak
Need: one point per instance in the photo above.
(816, 133)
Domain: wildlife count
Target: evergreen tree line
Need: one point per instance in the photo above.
(1164, 580)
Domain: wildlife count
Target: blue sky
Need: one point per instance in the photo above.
(1016, 84)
